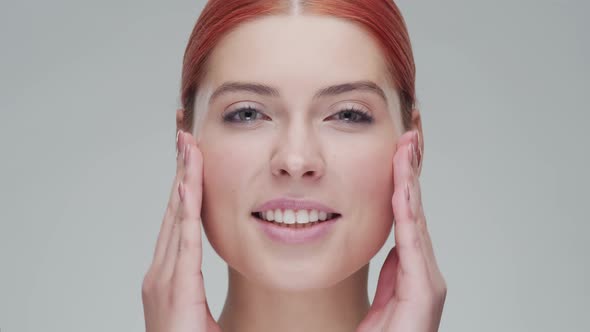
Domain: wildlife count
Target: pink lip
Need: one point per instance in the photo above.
(296, 235)
(292, 204)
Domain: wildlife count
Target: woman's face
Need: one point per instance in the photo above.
(281, 134)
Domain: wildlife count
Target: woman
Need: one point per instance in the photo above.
(299, 146)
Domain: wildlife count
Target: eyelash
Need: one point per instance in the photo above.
(364, 116)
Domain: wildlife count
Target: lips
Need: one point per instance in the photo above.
(296, 233)
(291, 218)
(285, 211)
(294, 221)
(293, 204)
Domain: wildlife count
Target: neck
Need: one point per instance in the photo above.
(252, 307)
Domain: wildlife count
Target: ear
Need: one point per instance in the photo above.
(417, 125)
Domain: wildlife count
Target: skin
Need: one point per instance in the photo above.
(298, 147)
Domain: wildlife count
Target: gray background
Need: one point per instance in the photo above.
(88, 92)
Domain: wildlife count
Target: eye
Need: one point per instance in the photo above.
(352, 115)
(246, 114)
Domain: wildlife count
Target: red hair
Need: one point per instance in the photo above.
(381, 18)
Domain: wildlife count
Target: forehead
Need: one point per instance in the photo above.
(297, 53)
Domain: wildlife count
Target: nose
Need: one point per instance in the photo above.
(298, 155)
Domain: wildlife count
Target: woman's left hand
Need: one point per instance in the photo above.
(411, 290)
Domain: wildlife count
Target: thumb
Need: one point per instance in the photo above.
(386, 284)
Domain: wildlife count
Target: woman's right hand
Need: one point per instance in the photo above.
(173, 292)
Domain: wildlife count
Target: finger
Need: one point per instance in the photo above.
(423, 228)
(172, 207)
(171, 254)
(190, 258)
(387, 279)
(417, 206)
(173, 248)
(432, 264)
(187, 275)
(408, 237)
(194, 176)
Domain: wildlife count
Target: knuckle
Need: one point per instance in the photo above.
(148, 285)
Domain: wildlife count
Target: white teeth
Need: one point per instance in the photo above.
(289, 217)
(313, 216)
(302, 217)
(295, 216)
(269, 215)
(278, 215)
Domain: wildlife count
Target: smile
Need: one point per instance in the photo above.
(295, 218)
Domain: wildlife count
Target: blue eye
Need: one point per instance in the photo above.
(352, 115)
(250, 114)
(244, 114)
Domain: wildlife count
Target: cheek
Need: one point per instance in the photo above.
(368, 178)
(225, 186)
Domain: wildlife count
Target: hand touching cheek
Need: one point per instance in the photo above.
(411, 290)
(173, 293)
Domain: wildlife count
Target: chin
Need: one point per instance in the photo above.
(295, 268)
(300, 281)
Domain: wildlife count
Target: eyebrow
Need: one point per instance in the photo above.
(268, 91)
